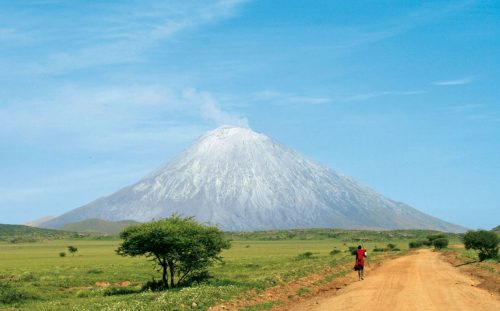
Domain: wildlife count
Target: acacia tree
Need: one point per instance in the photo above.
(72, 249)
(180, 246)
(485, 242)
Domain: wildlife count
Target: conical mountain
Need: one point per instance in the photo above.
(242, 180)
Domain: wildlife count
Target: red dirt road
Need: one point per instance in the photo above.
(421, 281)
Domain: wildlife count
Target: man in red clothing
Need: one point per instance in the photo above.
(360, 262)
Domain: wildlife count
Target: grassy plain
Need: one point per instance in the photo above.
(36, 278)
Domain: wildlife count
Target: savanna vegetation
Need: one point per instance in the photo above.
(33, 276)
(24, 234)
(438, 241)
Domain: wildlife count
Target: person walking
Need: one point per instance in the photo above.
(360, 262)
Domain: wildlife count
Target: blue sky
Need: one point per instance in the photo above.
(401, 95)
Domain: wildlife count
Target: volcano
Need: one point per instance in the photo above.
(242, 180)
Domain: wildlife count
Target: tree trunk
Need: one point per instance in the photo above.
(164, 276)
(172, 273)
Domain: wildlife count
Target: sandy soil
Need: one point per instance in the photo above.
(422, 281)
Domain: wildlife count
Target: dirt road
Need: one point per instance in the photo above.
(420, 281)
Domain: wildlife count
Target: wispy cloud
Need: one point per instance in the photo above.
(461, 81)
(118, 117)
(211, 110)
(368, 96)
(123, 34)
(487, 116)
(349, 38)
(475, 112)
(283, 98)
(462, 108)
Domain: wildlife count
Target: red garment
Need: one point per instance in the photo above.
(360, 257)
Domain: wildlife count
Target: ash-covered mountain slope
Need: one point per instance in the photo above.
(242, 180)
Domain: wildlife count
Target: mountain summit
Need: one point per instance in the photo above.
(242, 180)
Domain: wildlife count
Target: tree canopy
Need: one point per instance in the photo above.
(181, 246)
(440, 243)
(485, 242)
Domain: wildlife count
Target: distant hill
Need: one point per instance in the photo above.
(37, 222)
(99, 226)
(22, 233)
(496, 229)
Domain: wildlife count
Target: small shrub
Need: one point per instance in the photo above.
(306, 255)
(415, 244)
(153, 285)
(390, 246)
(112, 291)
(62, 254)
(378, 249)
(303, 291)
(418, 244)
(427, 243)
(27, 276)
(334, 252)
(94, 271)
(198, 277)
(433, 237)
(83, 294)
(353, 250)
(440, 243)
(252, 265)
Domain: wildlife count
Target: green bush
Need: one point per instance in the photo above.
(440, 243)
(334, 252)
(10, 294)
(433, 237)
(353, 250)
(415, 244)
(427, 243)
(391, 246)
(153, 285)
(306, 255)
(379, 249)
(62, 254)
(27, 276)
(485, 242)
(94, 271)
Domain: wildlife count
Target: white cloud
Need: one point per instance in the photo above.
(210, 109)
(126, 33)
(283, 98)
(368, 96)
(117, 117)
(461, 81)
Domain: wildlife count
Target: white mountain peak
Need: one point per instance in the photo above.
(243, 180)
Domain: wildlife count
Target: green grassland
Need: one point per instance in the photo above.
(99, 226)
(34, 277)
